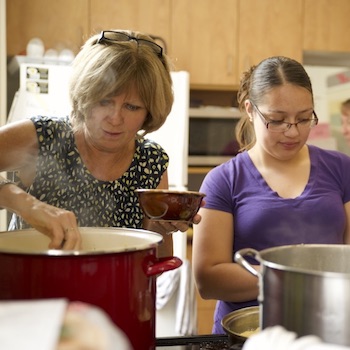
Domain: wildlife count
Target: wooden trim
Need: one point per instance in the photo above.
(214, 87)
(199, 170)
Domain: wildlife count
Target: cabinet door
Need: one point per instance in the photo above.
(205, 40)
(151, 17)
(327, 25)
(269, 28)
(60, 24)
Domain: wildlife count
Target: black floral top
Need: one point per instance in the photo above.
(63, 180)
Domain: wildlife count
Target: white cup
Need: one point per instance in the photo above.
(35, 48)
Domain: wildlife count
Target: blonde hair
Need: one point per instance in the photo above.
(258, 81)
(103, 70)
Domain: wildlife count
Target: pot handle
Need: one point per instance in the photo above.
(159, 265)
(239, 258)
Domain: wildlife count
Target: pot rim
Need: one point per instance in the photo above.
(154, 240)
(151, 190)
(282, 267)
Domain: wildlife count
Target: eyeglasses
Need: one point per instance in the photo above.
(112, 36)
(281, 126)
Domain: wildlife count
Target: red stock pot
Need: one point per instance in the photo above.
(115, 270)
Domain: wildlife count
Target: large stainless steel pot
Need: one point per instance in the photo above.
(304, 288)
(115, 270)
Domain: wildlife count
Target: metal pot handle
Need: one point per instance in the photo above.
(239, 258)
(157, 266)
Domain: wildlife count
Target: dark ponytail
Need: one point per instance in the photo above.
(245, 135)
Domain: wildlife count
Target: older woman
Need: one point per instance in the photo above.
(83, 170)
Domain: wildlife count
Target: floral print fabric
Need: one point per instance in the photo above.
(63, 180)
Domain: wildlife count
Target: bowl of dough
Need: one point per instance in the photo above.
(169, 205)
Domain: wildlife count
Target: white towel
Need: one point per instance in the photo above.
(277, 338)
(181, 283)
(167, 284)
(186, 311)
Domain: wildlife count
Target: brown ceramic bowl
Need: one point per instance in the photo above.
(241, 324)
(170, 205)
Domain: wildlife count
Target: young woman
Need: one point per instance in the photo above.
(276, 191)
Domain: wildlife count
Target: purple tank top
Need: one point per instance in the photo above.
(263, 220)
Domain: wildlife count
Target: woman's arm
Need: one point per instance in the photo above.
(216, 276)
(162, 227)
(166, 228)
(58, 224)
(18, 145)
(19, 150)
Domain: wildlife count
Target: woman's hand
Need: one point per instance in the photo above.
(166, 228)
(58, 224)
(169, 227)
(173, 226)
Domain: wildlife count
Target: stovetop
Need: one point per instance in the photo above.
(198, 342)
